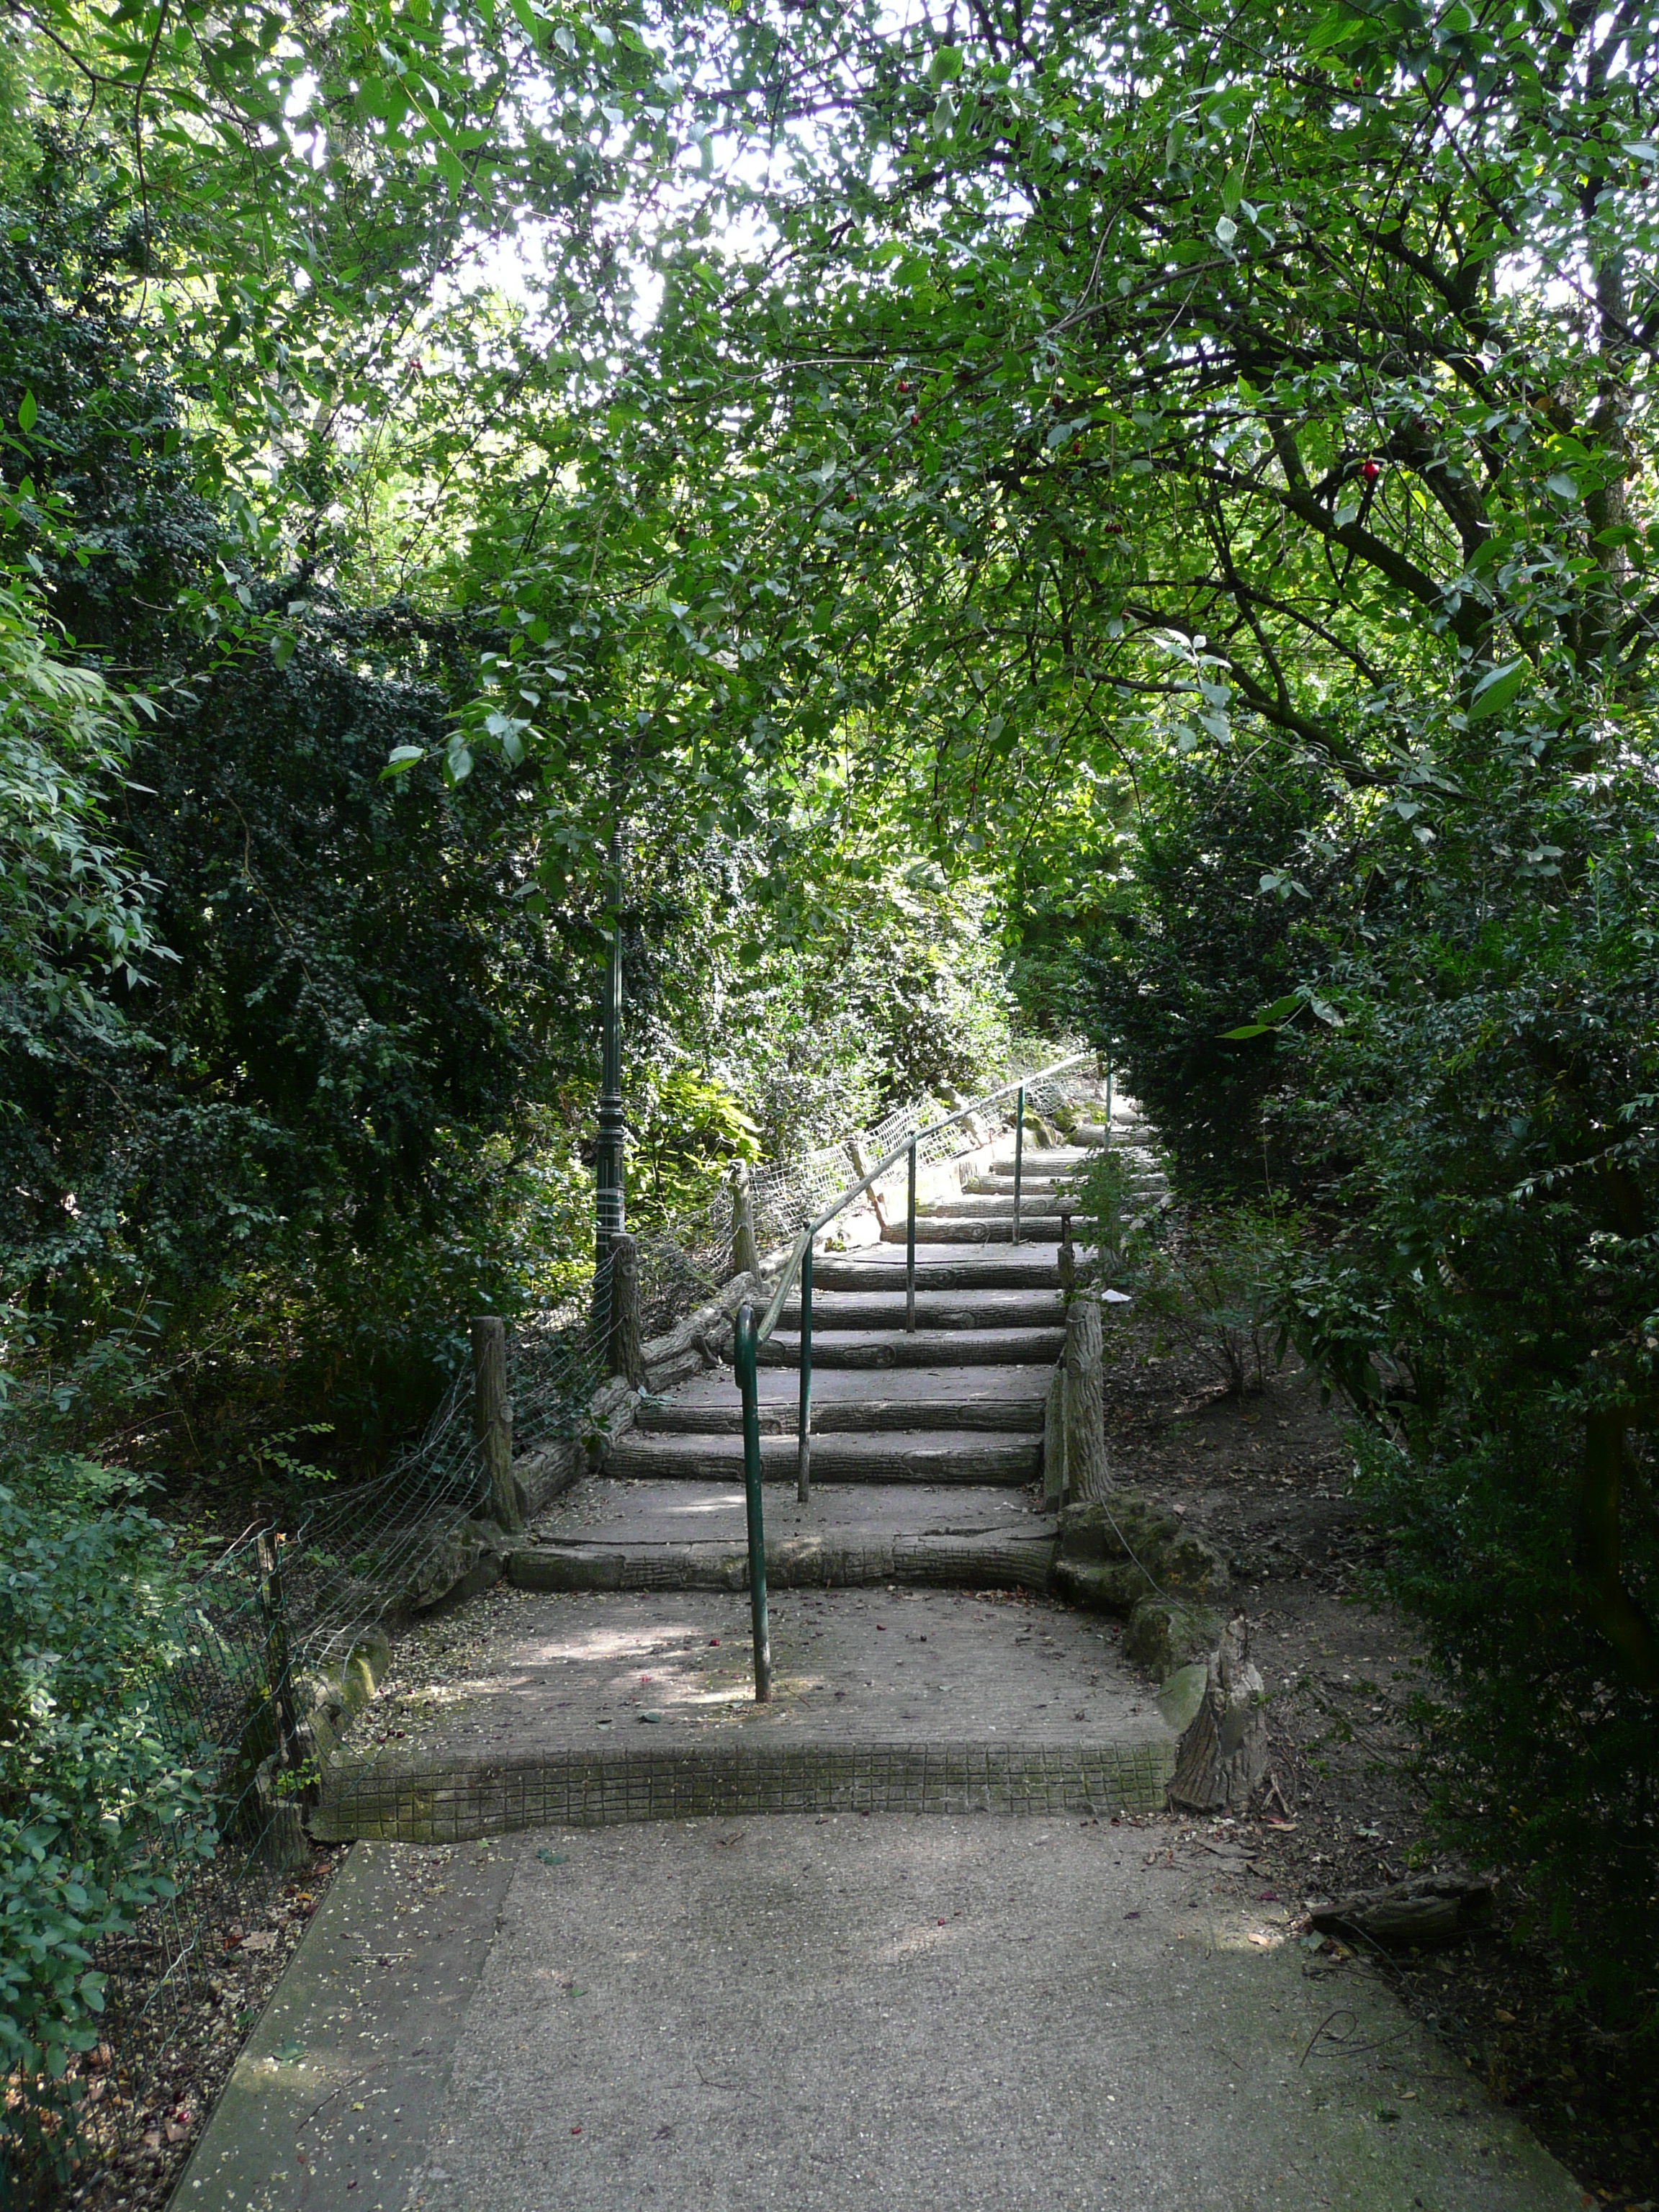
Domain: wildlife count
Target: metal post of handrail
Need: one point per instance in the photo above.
(1019, 1155)
(910, 1246)
(804, 1445)
(1109, 1101)
(744, 1350)
(609, 1220)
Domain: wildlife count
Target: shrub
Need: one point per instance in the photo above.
(1213, 1285)
(103, 1801)
(1191, 946)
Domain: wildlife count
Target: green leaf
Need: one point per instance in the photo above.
(26, 411)
(1333, 29)
(1497, 688)
(1249, 1029)
(945, 65)
(1564, 486)
(282, 650)
(402, 758)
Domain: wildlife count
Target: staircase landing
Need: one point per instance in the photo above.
(590, 1710)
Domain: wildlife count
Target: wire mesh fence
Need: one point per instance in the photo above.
(278, 1618)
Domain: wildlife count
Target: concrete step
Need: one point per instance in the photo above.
(936, 1348)
(992, 1558)
(617, 1706)
(1042, 1163)
(1002, 1178)
(937, 1455)
(1007, 1270)
(979, 1229)
(841, 1310)
(845, 1400)
(399, 1799)
(991, 1206)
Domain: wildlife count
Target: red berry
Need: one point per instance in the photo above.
(903, 386)
(1369, 471)
(915, 418)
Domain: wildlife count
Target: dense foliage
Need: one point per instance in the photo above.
(102, 1808)
(1168, 497)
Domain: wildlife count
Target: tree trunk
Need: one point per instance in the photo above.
(1054, 1441)
(745, 1257)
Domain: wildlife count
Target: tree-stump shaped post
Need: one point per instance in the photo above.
(745, 1255)
(1085, 1402)
(492, 1418)
(1223, 1758)
(1067, 1260)
(623, 1356)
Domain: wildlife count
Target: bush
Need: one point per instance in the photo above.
(103, 1801)
(1213, 1285)
(1455, 1062)
(1487, 1299)
(1191, 946)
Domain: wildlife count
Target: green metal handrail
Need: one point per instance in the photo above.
(748, 1336)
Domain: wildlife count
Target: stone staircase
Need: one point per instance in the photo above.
(902, 1678)
(958, 1400)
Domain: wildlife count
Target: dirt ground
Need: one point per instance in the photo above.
(1265, 1480)
(134, 2151)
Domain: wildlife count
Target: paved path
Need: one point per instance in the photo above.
(852, 1981)
(843, 2013)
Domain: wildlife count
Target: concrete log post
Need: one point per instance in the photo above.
(745, 1256)
(1086, 1406)
(623, 1356)
(1054, 1441)
(492, 1418)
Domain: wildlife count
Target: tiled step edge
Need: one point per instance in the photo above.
(405, 1801)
